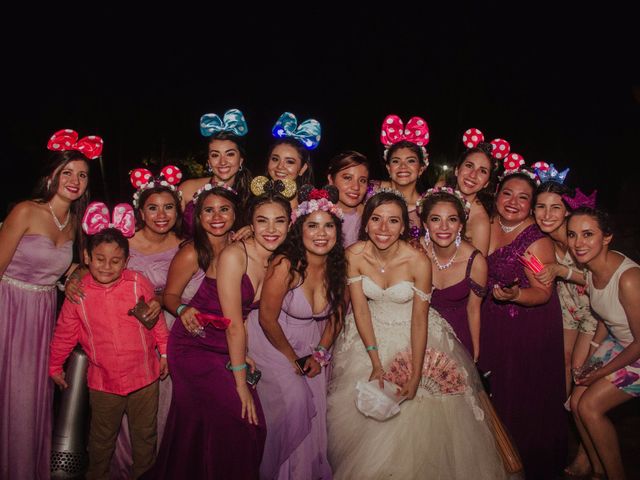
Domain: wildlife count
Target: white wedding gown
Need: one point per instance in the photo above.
(435, 436)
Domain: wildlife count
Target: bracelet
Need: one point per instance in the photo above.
(371, 347)
(570, 272)
(517, 296)
(594, 344)
(320, 348)
(163, 355)
(180, 308)
(323, 357)
(236, 368)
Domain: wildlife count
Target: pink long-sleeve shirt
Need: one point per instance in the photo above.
(121, 351)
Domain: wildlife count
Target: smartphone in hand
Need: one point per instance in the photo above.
(300, 363)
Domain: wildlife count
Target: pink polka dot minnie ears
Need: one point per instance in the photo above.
(67, 139)
(142, 179)
(497, 148)
(393, 131)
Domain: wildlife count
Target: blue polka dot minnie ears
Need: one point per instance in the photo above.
(232, 122)
(308, 132)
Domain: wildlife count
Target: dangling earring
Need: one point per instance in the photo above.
(209, 169)
(240, 169)
(48, 184)
(427, 238)
(458, 239)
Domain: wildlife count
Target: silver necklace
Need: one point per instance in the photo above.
(437, 262)
(382, 267)
(506, 228)
(61, 226)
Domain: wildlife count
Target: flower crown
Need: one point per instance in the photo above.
(210, 186)
(374, 188)
(317, 199)
(466, 205)
(142, 179)
(514, 163)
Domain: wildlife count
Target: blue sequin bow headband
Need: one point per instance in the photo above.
(308, 132)
(233, 122)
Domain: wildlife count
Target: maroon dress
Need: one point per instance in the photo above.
(205, 436)
(523, 349)
(451, 303)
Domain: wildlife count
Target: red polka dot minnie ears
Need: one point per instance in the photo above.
(142, 179)
(67, 139)
(416, 131)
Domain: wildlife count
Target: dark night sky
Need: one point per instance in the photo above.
(557, 84)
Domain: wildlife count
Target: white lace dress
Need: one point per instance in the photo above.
(436, 435)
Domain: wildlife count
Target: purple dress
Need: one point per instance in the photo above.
(155, 267)
(523, 349)
(351, 228)
(27, 318)
(451, 303)
(295, 407)
(205, 437)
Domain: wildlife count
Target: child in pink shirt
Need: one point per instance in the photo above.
(123, 354)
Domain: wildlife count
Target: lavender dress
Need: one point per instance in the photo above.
(27, 318)
(451, 303)
(155, 267)
(295, 407)
(523, 349)
(351, 228)
(205, 436)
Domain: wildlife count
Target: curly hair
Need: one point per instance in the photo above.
(243, 177)
(336, 266)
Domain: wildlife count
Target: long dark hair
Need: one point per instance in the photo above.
(374, 202)
(558, 189)
(484, 196)
(47, 187)
(200, 239)
(442, 197)
(303, 153)
(336, 267)
(242, 180)
(142, 200)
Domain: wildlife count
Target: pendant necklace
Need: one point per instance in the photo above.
(446, 265)
(61, 226)
(382, 267)
(506, 228)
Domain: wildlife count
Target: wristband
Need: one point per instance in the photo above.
(594, 344)
(371, 347)
(236, 368)
(163, 355)
(570, 272)
(180, 308)
(320, 348)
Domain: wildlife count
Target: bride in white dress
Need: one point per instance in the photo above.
(441, 431)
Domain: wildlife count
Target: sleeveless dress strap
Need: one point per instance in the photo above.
(479, 290)
(246, 257)
(425, 297)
